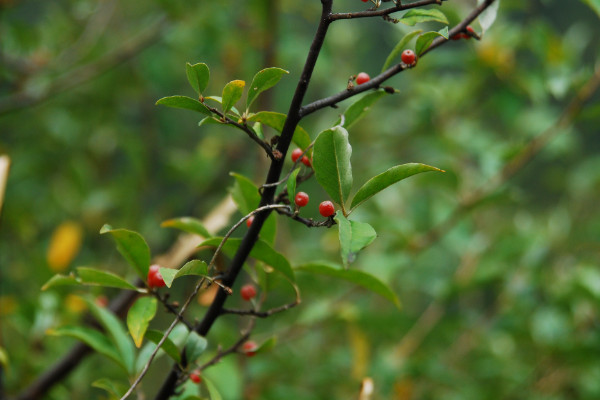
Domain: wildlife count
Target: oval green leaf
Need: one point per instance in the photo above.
(116, 389)
(360, 278)
(198, 75)
(418, 15)
(232, 92)
(488, 16)
(184, 102)
(359, 108)
(399, 48)
(261, 251)
(354, 236)
(331, 163)
(276, 121)
(291, 183)
(194, 267)
(263, 80)
(132, 247)
(168, 346)
(388, 178)
(187, 224)
(61, 280)
(195, 346)
(139, 316)
(424, 41)
(97, 277)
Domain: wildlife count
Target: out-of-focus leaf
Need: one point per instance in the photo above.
(195, 346)
(139, 316)
(276, 121)
(198, 75)
(359, 108)
(488, 16)
(263, 80)
(132, 247)
(168, 346)
(399, 48)
(64, 245)
(61, 280)
(291, 183)
(354, 236)
(361, 278)
(232, 92)
(262, 251)
(267, 344)
(184, 102)
(115, 329)
(331, 163)
(418, 15)
(212, 390)
(96, 277)
(388, 178)
(187, 224)
(116, 389)
(424, 40)
(92, 338)
(194, 267)
(4, 360)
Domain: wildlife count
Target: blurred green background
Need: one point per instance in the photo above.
(504, 304)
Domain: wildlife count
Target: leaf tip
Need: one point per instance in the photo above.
(105, 228)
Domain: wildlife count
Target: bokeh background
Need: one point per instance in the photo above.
(498, 274)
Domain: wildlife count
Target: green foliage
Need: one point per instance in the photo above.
(194, 268)
(184, 102)
(399, 48)
(132, 247)
(424, 40)
(198, 76)
(139, 316)
(354, 236)
(232, 92)
(418, 15)
(195, 346)
(263, 80)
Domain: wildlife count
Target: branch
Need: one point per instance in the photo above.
(384, 12)
(261, 314)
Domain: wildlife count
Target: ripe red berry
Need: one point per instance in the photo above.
(195, 377)
(248, 292)
(326, 208)
(364, 1)
(408, 57)
(296, 154)
(470, 29)
(155, 278)
(306, 161)
(301, 199)
(362, 77)
(250, 348)
(249, 221)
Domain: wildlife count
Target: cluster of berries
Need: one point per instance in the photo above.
(465, 35)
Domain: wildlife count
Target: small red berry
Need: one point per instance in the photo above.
(470, 29)
(250, 348)
(362, 77)
(326, 208)
(249, 221)
(296, 154)
(101, 301)
(364, 1)
(155, 278)
(408, 57)
(248, 292)
(306, 161)
(195, 377)
(301, 199)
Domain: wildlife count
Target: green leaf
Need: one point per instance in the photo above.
(291, 183)
(488, 16)
(418, 15)
(276, 121)
(92, 338)
(354, 236)
(210, 120)
(187, 224)
(331, 163)
(96, 277)
(168, 346)
(139, 316)
(212, 389)
(361, 278)
(424, 41)
(194, 267)
(261, 251)
(360, 107)
(195, 346)
(263, 80)
(399, 48)
(114, 327)
(267, 345)
(198, 75)
(388, 178)
(133, 247)
(232, 92)
(184, 102)
(61, 280)
(245, 195)
(116, 389)
(4, 360)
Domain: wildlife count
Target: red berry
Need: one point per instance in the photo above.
(101, 301)
(155, 278)
(249, 221)
(305, 161)
(408, 57)
(296, 154)
(364, 1)
(195, 377)
(250, 348)
(301, 199)
(362, 77)
(326, 209)
(470, 29)
(248, 292)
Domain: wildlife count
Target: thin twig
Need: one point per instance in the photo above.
(297, 162)
(261, 314)
(381, 13)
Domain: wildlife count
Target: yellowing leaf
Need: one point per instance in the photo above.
(64, 245)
